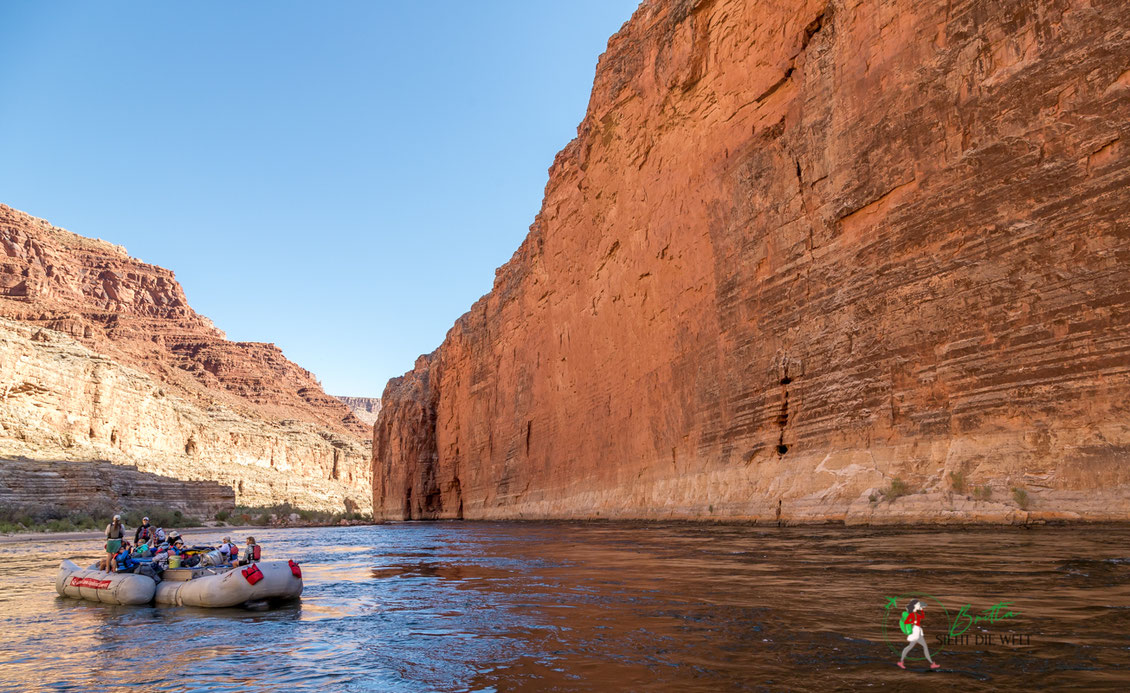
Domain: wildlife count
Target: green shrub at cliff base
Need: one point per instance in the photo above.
(49, 519)
(158, 517)
(281, 512)
(957, 481)
(897, 489)
(1021, 497)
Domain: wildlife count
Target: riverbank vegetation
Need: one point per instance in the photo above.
(14, 519)
(286, 515)
(55, 519)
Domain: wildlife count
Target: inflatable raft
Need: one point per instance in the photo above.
(99, 586)
(214, 587)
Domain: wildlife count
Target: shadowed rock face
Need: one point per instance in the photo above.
(801, 253)
(105, 360)
(99, 485)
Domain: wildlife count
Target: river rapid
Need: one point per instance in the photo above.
(601, 606)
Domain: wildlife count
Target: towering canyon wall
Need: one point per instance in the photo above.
(102, 358)
(809, 260)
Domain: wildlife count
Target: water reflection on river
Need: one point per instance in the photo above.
(560, 606)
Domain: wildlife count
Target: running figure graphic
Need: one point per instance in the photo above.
(912, 625)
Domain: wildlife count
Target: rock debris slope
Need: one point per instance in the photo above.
(806, 261)
(102, 358)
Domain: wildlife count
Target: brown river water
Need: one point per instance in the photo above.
(602, 606)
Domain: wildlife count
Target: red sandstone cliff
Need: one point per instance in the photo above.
(125, 370)
(800, 254)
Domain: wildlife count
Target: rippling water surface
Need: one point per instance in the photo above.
(561, 606)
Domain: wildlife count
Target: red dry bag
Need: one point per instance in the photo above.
(295, 569)
(252, 573)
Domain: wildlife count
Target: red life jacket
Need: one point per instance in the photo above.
(295, 570)
(253, 552)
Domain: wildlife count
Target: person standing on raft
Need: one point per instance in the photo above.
(143, 533)
(115, 532)
(916, 614)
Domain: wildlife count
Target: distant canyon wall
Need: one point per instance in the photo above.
(366, 409)
(102, 358)
(806, 261)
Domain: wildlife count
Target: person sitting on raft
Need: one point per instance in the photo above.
(230, 552)
(253, 553)
(143, 533)
(114, 534)
(161, 555)
(123, 562)
(231, 549)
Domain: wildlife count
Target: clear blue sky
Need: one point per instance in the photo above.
(339, 178)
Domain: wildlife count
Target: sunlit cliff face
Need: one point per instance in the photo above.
(102, 359)
(805, 262)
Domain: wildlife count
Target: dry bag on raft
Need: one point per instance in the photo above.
(252, 573)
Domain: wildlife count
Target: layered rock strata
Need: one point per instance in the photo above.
(806, 261)
(62, 401)
(104, 487)
(235, 412)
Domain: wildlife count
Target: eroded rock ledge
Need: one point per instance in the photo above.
(801, 254)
